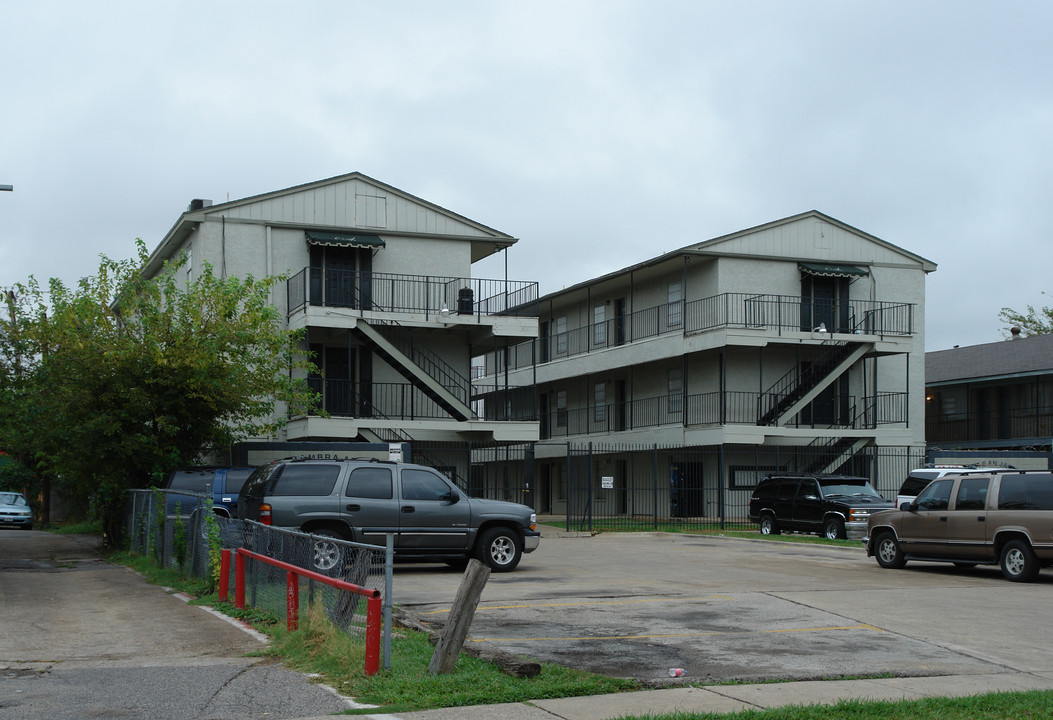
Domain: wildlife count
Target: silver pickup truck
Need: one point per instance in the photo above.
(364, 500)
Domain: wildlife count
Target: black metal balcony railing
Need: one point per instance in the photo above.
(422, 294)
(401, 401)
(717, 408)
(1025, 423)
(790, 312)
(777, 313)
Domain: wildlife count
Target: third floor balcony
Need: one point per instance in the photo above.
(417, 294)
(777, 314)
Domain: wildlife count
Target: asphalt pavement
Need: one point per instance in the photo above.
(86, 639)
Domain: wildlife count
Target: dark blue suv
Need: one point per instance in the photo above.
(223, 482)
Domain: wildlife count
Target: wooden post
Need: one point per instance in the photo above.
(460, 618)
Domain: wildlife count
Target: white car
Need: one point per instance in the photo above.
(14, 510)
(918, 479)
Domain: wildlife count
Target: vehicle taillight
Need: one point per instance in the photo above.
(265, 513)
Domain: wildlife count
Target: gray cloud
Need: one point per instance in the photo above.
(600, 133)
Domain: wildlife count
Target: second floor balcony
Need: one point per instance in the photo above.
(418, 294)
(719, 408)
(403, 401)
(1026, 424)
(772, 313)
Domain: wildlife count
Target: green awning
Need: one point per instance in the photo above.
(344, 239)
(833, 270)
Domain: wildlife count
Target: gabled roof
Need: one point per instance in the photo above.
(726, 244)
(991, 361)
(731, 245)
(331, 205)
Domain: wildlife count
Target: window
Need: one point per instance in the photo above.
(751, 477)
(370, 482)
(423, 485)
(316, 480)
(192, 480)
(972, 494)
(599, 325)
(189, 263)
(236, 480)
(936, 496)
(676, 305)
(1026, 492)
(676, 389)
(600, 398)
(561, 408)
(561, 335)
(808, 488)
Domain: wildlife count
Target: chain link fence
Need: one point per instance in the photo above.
(179, 530)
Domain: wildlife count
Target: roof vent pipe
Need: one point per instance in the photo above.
(1015, 332)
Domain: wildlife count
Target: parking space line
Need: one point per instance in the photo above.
(681, 635)
(591, 602)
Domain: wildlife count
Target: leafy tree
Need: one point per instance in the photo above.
(110, 384)
(1035, 322)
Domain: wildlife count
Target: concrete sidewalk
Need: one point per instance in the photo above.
(732, 698)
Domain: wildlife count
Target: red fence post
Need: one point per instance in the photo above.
(373, 622)
(239, 581)
(224, 575)
(292, 598)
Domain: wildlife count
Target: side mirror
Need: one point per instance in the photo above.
(906, 507)
(452, 497)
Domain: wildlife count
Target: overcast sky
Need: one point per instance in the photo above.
(598, 133)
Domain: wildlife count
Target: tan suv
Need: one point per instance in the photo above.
(975, 519)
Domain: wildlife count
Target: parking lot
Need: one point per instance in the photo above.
(636, 605)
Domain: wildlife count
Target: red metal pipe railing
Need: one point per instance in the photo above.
(292, 596)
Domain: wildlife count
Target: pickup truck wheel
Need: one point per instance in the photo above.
(499, 548)
(768, 526)
(1018, 561)
(834, 529)
(327, 556)
(888, 552)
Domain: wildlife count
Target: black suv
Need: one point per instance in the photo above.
(363, 500)
(834, 506)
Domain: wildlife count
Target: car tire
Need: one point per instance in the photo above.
(834, 529)
(888, 552)
(500, 548)
(1019, 562)
(327, 557)
(768, 525)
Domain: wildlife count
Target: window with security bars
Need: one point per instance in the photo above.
(675, 299)
(676, 389)
(600, 400)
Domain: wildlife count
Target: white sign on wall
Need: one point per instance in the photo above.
(607, 483)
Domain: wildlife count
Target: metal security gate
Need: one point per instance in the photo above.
(637, 487)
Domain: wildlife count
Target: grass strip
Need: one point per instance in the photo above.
(991, 706)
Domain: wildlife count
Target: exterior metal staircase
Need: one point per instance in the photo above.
(799, 387)
(831, 453)
(413, 372)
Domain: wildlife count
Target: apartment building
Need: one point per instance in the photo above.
(672, 385)
(381, 283)
(994, 396)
